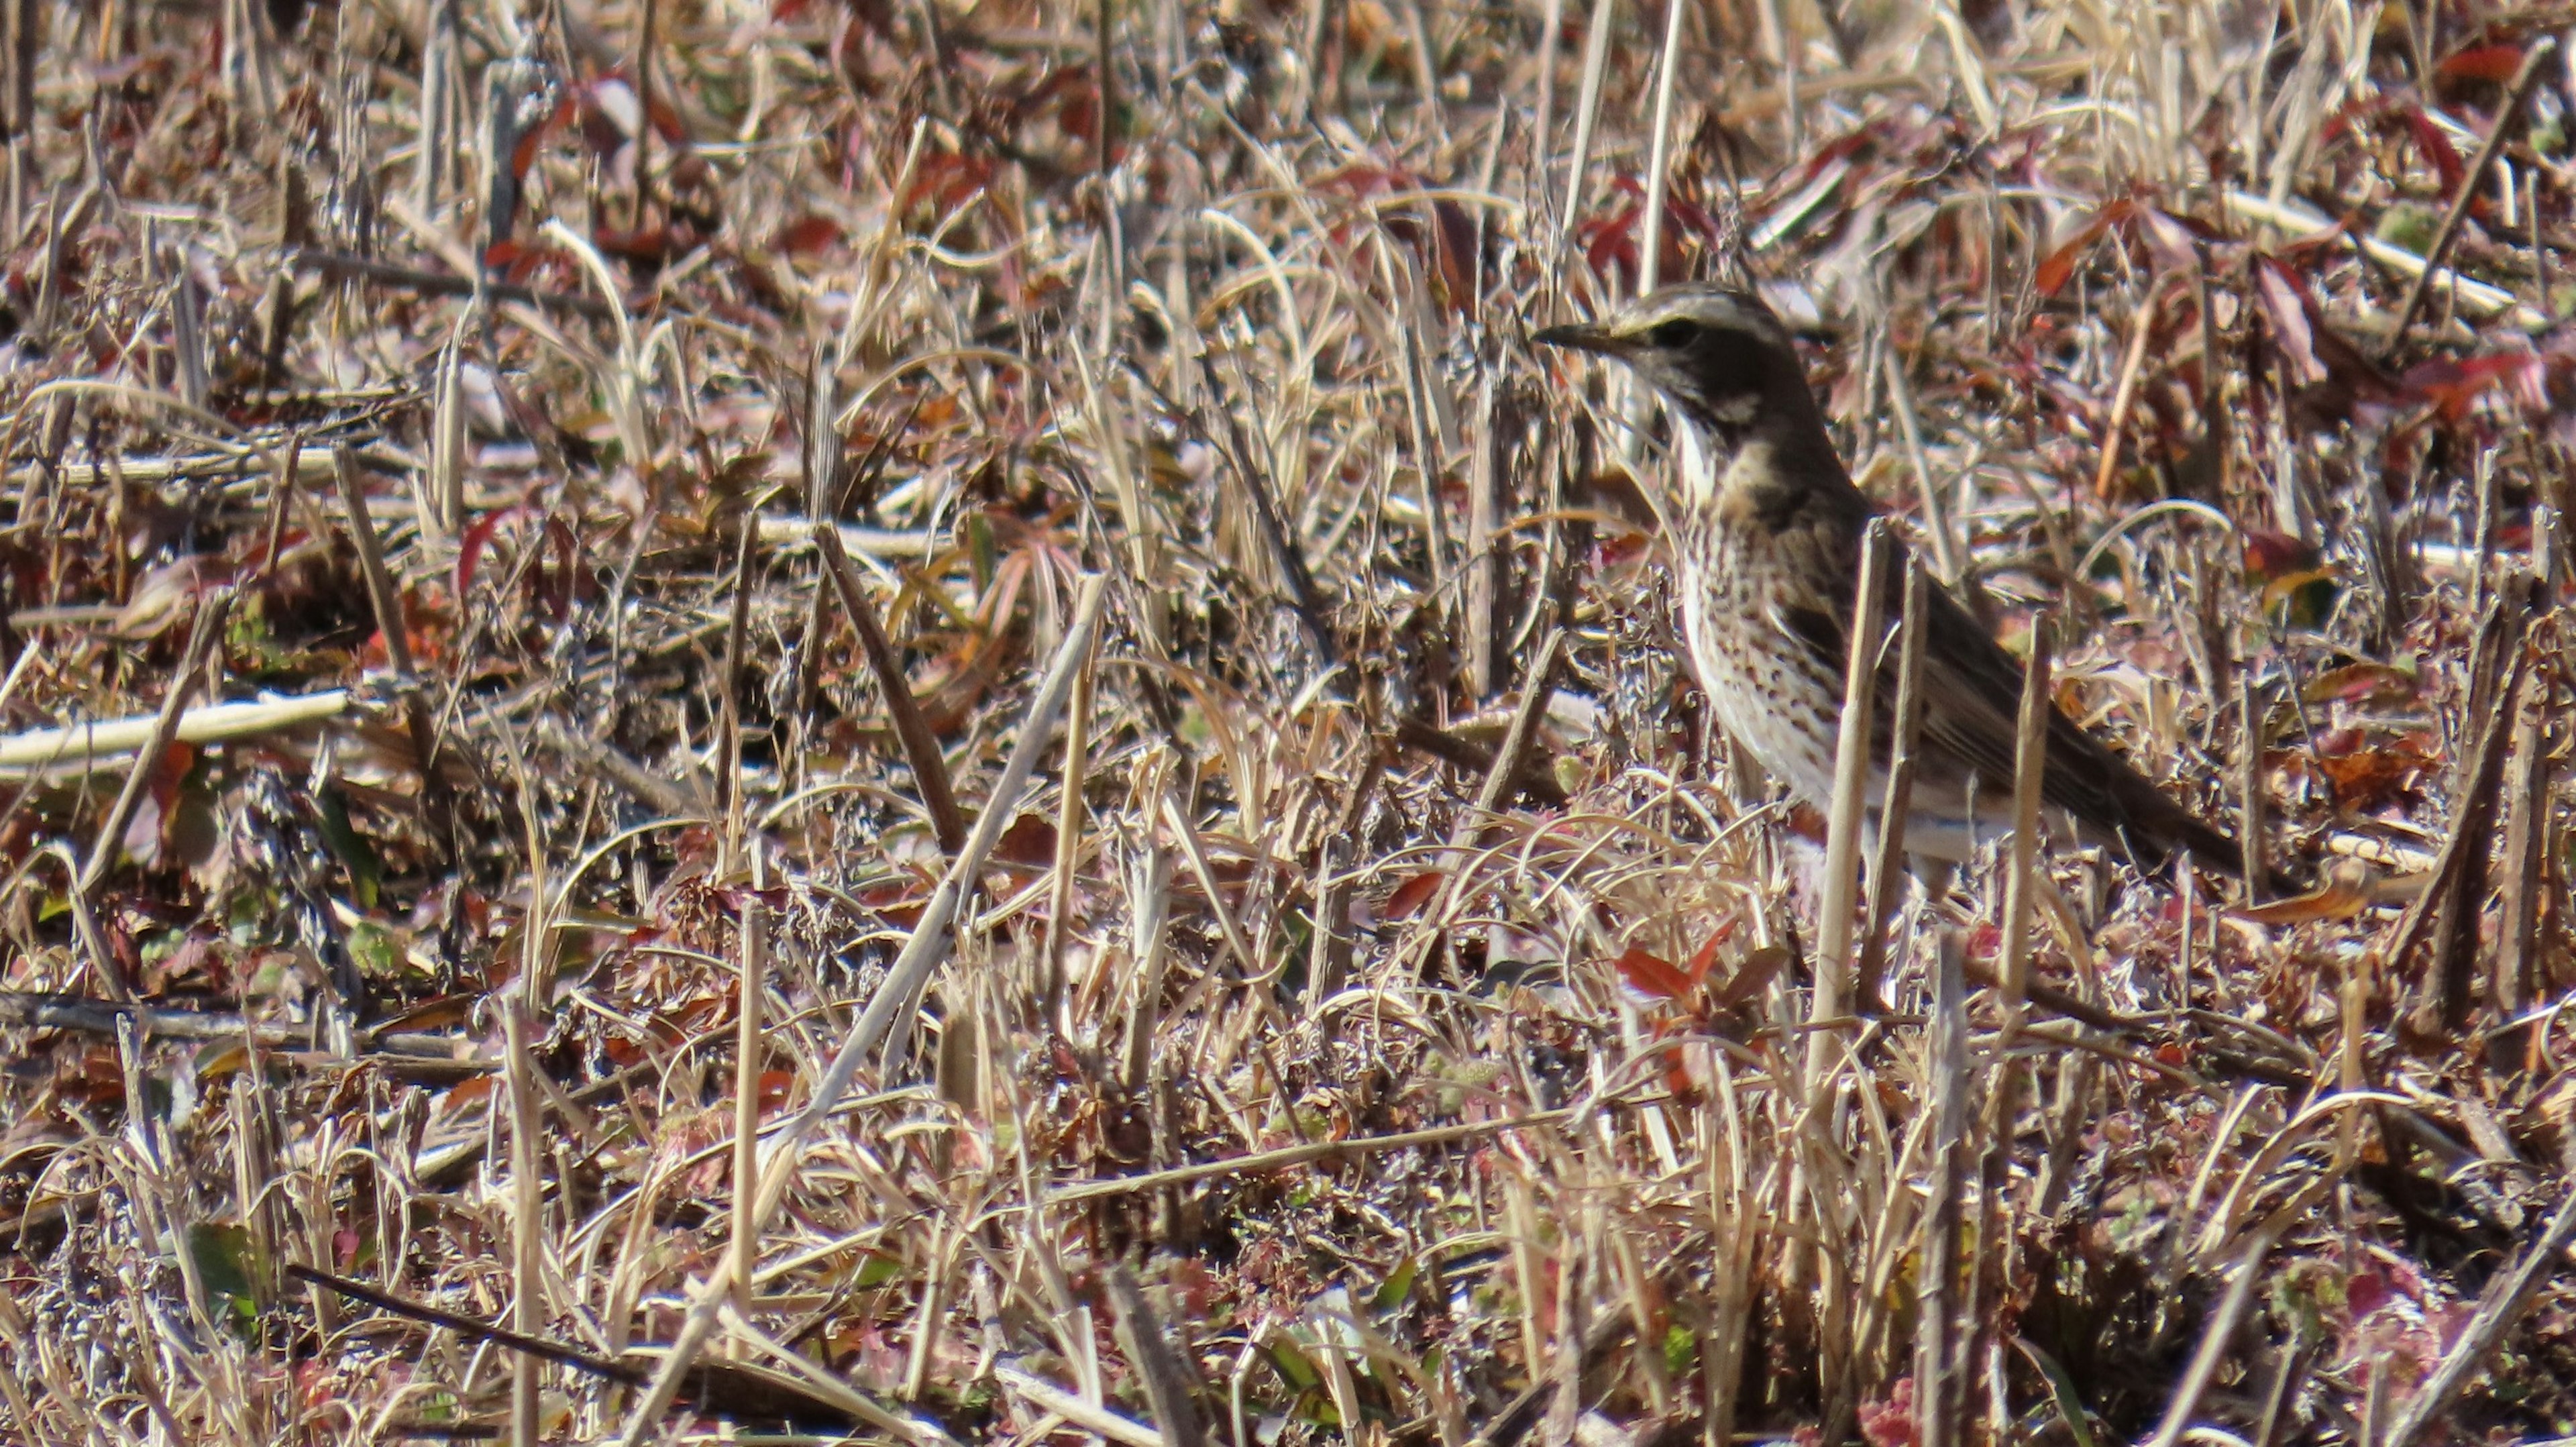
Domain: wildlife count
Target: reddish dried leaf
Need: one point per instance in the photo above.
(2366, 779)
(808, 234)
(1753, 974)
(1029, 842)
(2269, 554)
(2453, 385)
(2331, 900)
(2287, 306)
(2058, 267)
(1652, 975)
(1412, 894)
(2481, 62)
(1707, 954)
(2436, 146)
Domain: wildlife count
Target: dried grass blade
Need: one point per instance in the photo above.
(2030, 766)
(110, 840)
(920, 745)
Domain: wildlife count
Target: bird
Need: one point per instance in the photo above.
(1767, 527)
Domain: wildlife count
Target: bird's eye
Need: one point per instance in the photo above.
(1674, 334)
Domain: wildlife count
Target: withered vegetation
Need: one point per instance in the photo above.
(916, 719)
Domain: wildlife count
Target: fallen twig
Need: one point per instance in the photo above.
(56, 748)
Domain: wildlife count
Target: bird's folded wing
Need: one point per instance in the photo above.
(1971, 690)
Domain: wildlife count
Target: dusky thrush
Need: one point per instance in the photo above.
(1767, 533)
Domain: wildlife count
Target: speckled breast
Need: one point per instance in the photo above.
(1768, 689)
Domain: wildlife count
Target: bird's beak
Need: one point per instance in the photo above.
(1582, 338)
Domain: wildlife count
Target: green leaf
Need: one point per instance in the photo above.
(876, 1269)
(1397, 1286)
(375, 950)
(1300, 1374)
(228, 1269)
(366, 871)
(2062, 1393)
(1681, 1350)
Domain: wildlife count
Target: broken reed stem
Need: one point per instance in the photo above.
(1166, 1377)
(1897, 802)
(1237, 943)
(104, 850)
(644, 110)
(754, 929)
(729, 699)
(1335, 881)
(2218, 1333)
(1844, 823)
(2024, 888)
(2495, 672)
(1937, 1357)
(2249, 792)
(2030, 767)
(2517, 978)
(920, 745)
(520, 1008)
(2463, 886)
(435, 811)
(1936, 521)
(1659, 154)
(1511, 759)
(2125, 393)
(1069, 815)
(1587, 113)
(1149, 896)
(922, 954)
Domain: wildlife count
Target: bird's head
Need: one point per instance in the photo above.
(1731, 376)
(1716, 353)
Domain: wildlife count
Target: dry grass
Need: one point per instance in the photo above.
(1263, 943)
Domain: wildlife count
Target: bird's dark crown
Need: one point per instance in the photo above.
(1715, 352)
(1726, 367)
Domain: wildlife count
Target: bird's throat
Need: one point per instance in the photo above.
(1728, 474)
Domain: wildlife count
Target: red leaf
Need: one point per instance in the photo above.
(808, 234)
(1707, 956)
(1652, 975)
(1029, 842)
(478, 536)
(2436, 146)
(2481, 62)
(1412, 894)
(2451, 386)
(1890, 1423)
(2058, 267)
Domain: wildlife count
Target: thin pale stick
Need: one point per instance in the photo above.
(2030, 767)
(104, 849)
(1897, 803)
(1843, 824)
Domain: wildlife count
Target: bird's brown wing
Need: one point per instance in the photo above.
(1972, 697)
